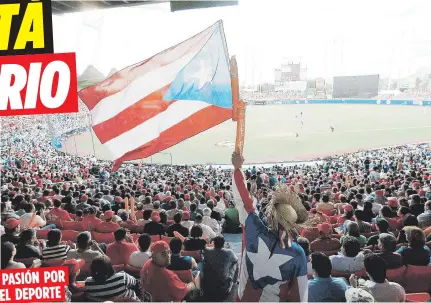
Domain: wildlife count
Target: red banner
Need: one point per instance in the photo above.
(38, 84)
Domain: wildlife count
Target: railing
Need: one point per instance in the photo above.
(416, 102)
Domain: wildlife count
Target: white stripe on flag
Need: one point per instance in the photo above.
(139, 89)
(151, 129)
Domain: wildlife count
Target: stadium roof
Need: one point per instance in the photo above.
(63, 7)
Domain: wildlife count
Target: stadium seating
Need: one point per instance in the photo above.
(135, 237)
(166, 239)
(418, 297)
(396, 275)
(417, 279)
(106, 238)
(42, 233)
(72, 225)
(155, 238)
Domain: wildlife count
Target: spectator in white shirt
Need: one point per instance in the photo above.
(138, 258)
(350, 259)
(172, 209)
(146, 217)
(381, 289)
(186, 220)
(87, 249)
(208, 233)
(374, 176)
(147, 203)
(356, 295)
(27, 220)
(207, 220)
(220, 205)
(202, 203)
(187, 201)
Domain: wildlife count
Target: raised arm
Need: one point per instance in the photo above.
(242, 198)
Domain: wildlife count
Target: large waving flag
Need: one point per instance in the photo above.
(157, 103)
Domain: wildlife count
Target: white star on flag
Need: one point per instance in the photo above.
(203, 74)
(264, 265)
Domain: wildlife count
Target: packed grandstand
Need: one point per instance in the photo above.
(368, 233)
(409, 94)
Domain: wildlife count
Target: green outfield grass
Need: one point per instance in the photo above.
(271, 129)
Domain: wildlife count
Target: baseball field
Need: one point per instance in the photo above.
(274, 133)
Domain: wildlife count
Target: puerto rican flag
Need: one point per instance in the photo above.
(157, 103)
(268, 273)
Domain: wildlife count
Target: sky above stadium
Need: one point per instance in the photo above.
(331, 37)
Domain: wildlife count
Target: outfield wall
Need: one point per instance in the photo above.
(343, 101)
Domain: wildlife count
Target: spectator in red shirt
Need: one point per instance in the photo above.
(108, 226)
(154, 274)
(139, 214)
(119, 252)
(78, 216)
(57, 213)
(89, 220)
(348, 214)
(325, 242)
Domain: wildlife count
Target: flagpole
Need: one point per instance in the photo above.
(91, 132)
(238, 107)
(76, 149)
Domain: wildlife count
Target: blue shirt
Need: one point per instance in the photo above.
(179, 262)
(327, 289)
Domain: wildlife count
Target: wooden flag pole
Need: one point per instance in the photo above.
(238, 106)
(132, 209)
(126, 204)
(240, 129)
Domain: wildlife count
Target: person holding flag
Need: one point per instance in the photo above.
(273, 267)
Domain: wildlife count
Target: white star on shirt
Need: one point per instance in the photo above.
(264, 265)
(203, 74)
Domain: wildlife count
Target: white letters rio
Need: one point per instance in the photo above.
(14, 78)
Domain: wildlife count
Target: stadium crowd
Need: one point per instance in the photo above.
(409, 94)
(416, 93)
(272, 96)
(155, 233)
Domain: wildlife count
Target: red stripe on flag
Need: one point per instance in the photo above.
(92, 95)
(242, 189)
(132, 116)
(198, 122)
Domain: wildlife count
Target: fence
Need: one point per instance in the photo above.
(342, 101)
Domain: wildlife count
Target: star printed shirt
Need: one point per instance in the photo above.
(269, 273)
